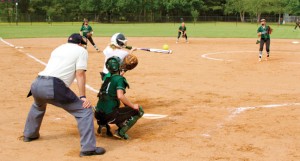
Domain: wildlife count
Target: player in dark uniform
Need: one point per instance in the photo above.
(87, 31)
(108, 109)
(264, 32)
(297, 24)
(182, 30)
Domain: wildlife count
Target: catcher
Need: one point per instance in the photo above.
(264, 32)
(116, 48)
(182, 30)
(108, 109)
(87, 31)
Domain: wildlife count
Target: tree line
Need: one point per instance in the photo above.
(149, 10)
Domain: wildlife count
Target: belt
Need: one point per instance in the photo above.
(45, 77)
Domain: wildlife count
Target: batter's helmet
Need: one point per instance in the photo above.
(118, 40)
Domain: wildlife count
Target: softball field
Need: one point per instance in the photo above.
(221, 103)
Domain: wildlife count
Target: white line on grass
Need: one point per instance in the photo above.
(147, 116)
(234, 113)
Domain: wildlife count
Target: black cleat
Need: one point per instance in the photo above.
(104, 129)
(27, 139)
(97, 151)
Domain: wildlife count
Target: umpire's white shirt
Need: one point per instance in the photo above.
(64, 62)
(109, 52)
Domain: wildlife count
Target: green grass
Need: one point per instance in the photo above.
(205, 30)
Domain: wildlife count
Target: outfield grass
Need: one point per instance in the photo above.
(205, 30)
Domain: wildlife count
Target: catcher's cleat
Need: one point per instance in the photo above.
(104, 129)
(259, 59)
(257, 41)
(120, 136)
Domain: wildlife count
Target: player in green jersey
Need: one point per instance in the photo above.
(111, 94)
(182, 30)
(264, 32)
(87, 31)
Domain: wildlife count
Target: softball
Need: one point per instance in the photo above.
(166, 47)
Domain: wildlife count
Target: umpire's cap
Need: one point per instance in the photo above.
(76, 39)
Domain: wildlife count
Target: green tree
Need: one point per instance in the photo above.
(236, 6)
(258, 7)
(195, 15)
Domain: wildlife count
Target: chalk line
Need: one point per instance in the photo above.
(237, 111)
(207, 55)
(147, 116)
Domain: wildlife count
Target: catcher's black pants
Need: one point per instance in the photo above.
(118, 116)
(265, 41)
(179, 34)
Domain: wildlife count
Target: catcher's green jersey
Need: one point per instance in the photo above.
(182, 28)
(108, 99)
(86, 30)
(264, 31)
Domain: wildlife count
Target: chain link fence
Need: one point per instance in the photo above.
(30, 18)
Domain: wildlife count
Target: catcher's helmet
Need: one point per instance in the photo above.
(113, 64)
(118, 40)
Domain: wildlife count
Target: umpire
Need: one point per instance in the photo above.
(67, 62)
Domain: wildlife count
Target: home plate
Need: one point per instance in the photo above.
(295, 42)
(153, 116)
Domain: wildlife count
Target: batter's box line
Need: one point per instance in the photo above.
(146, 115)
(237, 111)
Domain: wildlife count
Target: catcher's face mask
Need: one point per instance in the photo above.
(113, 64)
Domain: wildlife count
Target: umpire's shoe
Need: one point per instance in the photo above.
(97, 151)
(27, 139)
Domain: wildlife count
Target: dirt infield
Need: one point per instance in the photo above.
(222, 104)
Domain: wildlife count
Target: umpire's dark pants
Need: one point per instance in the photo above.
(52, 90)
(264, 41)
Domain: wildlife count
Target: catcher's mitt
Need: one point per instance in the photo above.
(88, 35)
(129, 62)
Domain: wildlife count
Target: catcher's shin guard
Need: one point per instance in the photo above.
(129, 123)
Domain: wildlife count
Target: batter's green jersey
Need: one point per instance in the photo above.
(86, 29)
(108, 99)
(264, 31)
(182, 28)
